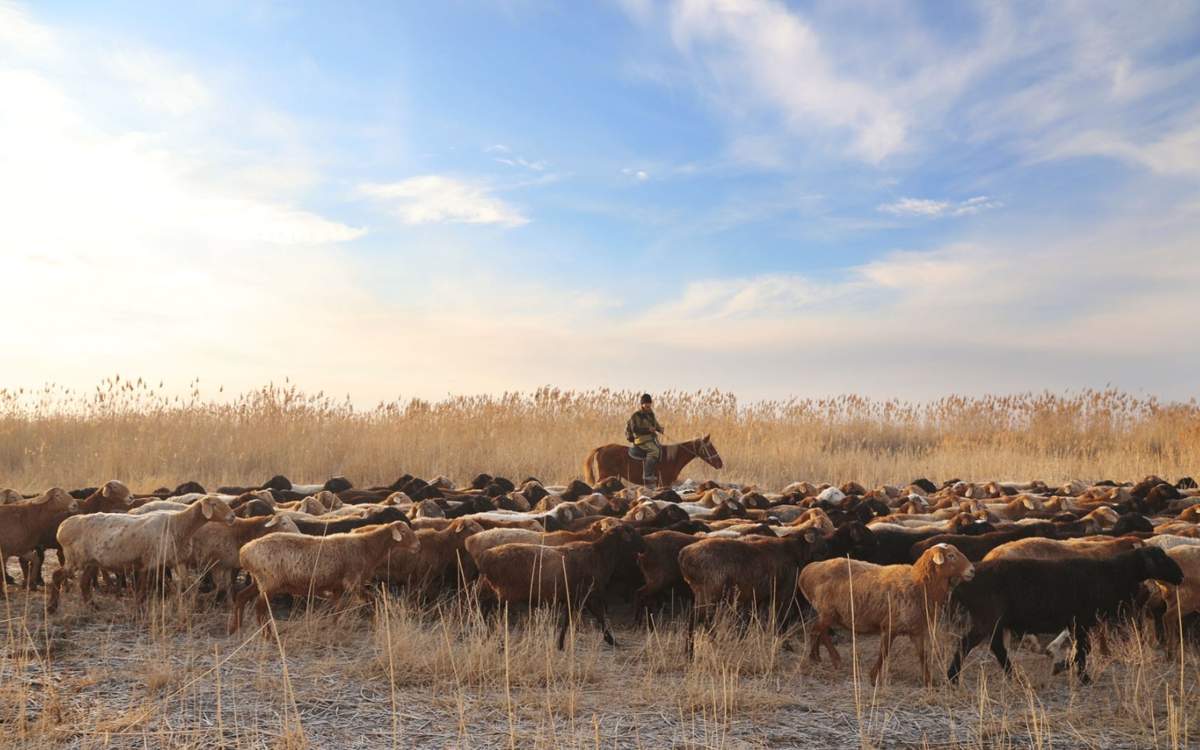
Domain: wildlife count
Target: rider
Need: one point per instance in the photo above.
(642, 430)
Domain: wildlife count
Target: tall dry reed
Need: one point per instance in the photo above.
(134, 431)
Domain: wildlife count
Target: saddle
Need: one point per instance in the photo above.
(636, 453)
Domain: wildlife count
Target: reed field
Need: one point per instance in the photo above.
(401, 672)
(130, 430)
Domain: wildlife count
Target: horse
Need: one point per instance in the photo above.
(613, 460)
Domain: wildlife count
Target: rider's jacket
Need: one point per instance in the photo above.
(641, 427)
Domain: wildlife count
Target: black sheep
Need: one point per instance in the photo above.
(1046, 596)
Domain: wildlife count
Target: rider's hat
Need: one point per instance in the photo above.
(646, 398)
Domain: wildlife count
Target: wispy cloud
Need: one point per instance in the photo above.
(640, 175)
(438, 199)
(935, 208)
(1174, 153)
(21, 34)
(158, 83)
(760, 48)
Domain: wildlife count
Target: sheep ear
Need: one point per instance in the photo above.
(1028, 503)
(206, 508)
(810, 535)
(939, 556)
(397, 534)
(272, 521)
(45, 498)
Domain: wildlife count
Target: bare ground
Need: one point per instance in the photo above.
(402, 675)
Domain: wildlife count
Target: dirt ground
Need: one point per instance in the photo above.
(397, 675)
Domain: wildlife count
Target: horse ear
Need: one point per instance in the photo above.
(707, 436)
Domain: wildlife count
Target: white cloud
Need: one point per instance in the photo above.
(21, 34)
(435, 199)
(1026, 80)
(640, 175)
(1174, 153)
(935, 208)
(760, 48)
(158, 84)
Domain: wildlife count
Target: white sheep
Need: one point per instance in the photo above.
(122, 542)
(327, 566)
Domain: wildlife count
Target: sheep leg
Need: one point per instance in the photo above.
(1000, 651)
(595, 605)
(141, 584)
(31, 569)
(1082, 645)
(640, 607)
(968, 643)
(85, 583)
(56, 583)
(239, 604)
(918, 642)
(885, 646)
(814, 650)
(693, 617)
(262, 611)
(562, 626)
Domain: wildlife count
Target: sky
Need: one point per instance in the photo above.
(393, 200)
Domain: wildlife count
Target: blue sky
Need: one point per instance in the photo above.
(772, 198)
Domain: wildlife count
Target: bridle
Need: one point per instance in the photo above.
(708, 456)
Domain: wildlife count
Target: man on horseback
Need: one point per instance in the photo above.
(643, 430)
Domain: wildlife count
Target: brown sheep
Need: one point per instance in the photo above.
(480, 543)
(25, 524)
(749, 571)
(441, 560)
(215, 547)
(887, 599)
(573, 576)
(327, 566)
(660, 567)
(1039, 548)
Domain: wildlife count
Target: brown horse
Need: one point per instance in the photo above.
(613, 460)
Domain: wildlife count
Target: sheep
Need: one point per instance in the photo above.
(888, 599)
(1045, 596)
(574, 576)
(659, 564)
(1170, 541)
(480, 543)
(24, 524)
(113, 541)
(1183, 599)
(441, 559)
(750, 571)
(320, 526)
(303, 565)
(975, 546)
(215, 546)
(1053, 549)
(157, 505)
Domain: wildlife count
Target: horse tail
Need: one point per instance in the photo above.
(591, 467)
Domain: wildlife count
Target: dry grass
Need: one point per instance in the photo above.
(401, 674)
(130, 430)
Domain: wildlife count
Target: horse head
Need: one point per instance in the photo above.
(707, 452)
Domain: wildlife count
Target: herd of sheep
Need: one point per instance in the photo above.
(1009, 558)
